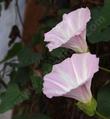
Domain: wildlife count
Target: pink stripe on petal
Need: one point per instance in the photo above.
(82, 93)
(70, 28)
(72, 77)
(77, 43)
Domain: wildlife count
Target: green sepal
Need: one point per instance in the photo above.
(88, 108)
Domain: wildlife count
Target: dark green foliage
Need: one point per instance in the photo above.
(21, 76)
(1, 1)
(36, 83)
(12, 52)
(46, 67)
(11, 97)
(37, 39)
(59, 52)
(36, 116)
(27, 57)
(99, 26)
(103, 100)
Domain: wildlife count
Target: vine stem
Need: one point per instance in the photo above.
(97, 113)
(100, 115)
(19, 14)
(104, 69)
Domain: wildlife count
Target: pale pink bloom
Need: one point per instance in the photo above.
(70, 32)
(72, 78)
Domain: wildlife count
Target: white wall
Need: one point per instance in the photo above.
(7, 20)
(6, 115)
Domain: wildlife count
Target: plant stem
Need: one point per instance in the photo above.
(19, 14)
(100, 115)
(104, 69)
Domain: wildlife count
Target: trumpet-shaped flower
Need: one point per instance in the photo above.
(70, 32)
(72, 78)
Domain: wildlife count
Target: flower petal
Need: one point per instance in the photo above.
(70, 74)
(77, 43)
(73, 24)
(82, 93)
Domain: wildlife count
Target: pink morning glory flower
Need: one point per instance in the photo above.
(72, 77)
(70, 32)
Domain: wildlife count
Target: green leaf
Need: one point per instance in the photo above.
(37, 83)
(12, 52)
(101, 36)
(12, 97)
(98, 28)
(21, 76)
(46, 67)
(37, 39)
(59, 52)
(103, 100)
(27, 57)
